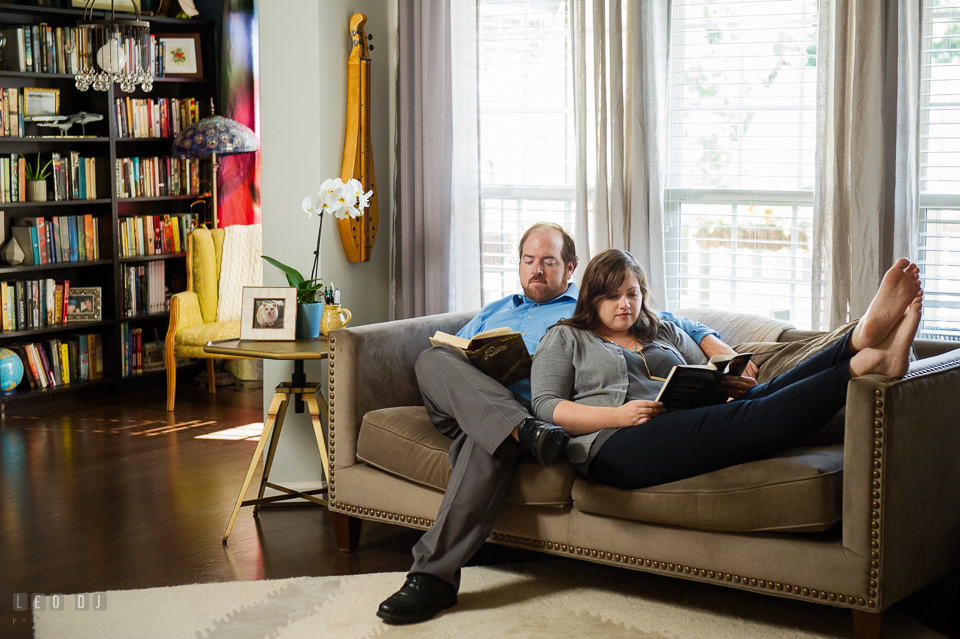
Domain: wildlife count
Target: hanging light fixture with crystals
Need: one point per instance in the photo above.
(114, 51)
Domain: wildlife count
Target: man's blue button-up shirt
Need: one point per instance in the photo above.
(531, 320)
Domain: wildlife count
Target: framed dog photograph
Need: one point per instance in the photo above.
(83, 304)
(268, 313)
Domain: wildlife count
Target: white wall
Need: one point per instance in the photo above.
(304, 46)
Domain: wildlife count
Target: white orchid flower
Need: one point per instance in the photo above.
(329, 191)
(313, 205)
(344, 202)
(363, 199)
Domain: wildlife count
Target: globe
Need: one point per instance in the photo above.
(11, 370)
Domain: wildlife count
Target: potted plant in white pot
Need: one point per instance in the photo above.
(343, 200)
(36, 179)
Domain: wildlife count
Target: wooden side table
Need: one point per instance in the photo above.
(302, 392)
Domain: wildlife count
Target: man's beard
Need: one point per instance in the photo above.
(541, 295)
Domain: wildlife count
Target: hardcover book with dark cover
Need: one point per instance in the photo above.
(692, 386)
(500, 353)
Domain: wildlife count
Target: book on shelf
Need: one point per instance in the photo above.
(155, 234)
(132, 347)
(33, 304)
(72, 177)
(500, 353)
(42, 48)
(157, 176)
(10, 100)
(59, 361)
(5, 305)
(154, 117)
(695, 385)
(70, 238)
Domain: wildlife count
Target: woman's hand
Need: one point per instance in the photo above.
(637, 412)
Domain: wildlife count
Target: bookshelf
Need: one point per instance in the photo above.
(113, 209)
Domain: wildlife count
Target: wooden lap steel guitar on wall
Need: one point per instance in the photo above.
(358, 235)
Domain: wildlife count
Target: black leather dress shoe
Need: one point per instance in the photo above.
(544, 441)
(421, 598)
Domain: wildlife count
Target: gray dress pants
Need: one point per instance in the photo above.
(478, 414)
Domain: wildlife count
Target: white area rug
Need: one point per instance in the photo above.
(551, 599)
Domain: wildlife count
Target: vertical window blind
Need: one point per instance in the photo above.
(938, 239)
(526, 129)
(740, 156)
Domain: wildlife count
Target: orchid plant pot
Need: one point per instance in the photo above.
(308, 320)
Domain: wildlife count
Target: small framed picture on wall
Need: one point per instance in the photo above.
(181, 55)
(268, 313)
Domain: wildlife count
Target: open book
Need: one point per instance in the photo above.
(694, 386)
(500, 353)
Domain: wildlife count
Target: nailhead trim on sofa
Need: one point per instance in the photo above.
(873, 576)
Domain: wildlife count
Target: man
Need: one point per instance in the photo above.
(492, 425)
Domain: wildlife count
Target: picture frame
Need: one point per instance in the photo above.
(181, 55)
(40, 101)
(83, 304)
(268, 313)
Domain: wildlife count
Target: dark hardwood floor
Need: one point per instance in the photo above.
(116, 493)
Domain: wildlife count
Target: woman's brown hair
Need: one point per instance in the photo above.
(603, 277)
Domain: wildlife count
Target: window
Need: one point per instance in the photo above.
(938, 241)
(740, 156)
(527, 143)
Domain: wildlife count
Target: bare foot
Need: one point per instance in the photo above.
(892, 356)
(898, 288)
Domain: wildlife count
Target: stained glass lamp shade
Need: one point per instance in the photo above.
(212, 136)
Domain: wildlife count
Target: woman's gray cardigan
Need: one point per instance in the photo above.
(577, 365)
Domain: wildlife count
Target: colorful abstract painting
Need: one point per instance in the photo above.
(239, 179)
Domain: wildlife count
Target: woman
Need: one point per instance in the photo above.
(596, 376)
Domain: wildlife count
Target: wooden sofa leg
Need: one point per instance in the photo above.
(867, 625)
(347, 530)
(211, 378)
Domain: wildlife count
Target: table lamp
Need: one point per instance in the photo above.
(212, 136)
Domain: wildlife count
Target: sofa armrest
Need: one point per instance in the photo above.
(373, 367)
(902, 476)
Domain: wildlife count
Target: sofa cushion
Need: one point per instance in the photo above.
(776, 358)
(800, 490)
(735, 328)
(403, 441)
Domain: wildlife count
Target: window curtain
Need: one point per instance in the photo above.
(907, 192)
(854, 185)
(620, 58)
(647, 46)
(436, 241)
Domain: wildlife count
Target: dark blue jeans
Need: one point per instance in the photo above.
(769, 417)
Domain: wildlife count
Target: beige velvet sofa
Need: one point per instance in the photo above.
(860, 517)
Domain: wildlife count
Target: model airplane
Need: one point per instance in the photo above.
(64, 122)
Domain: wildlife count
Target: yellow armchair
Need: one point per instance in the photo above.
(193, 313)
